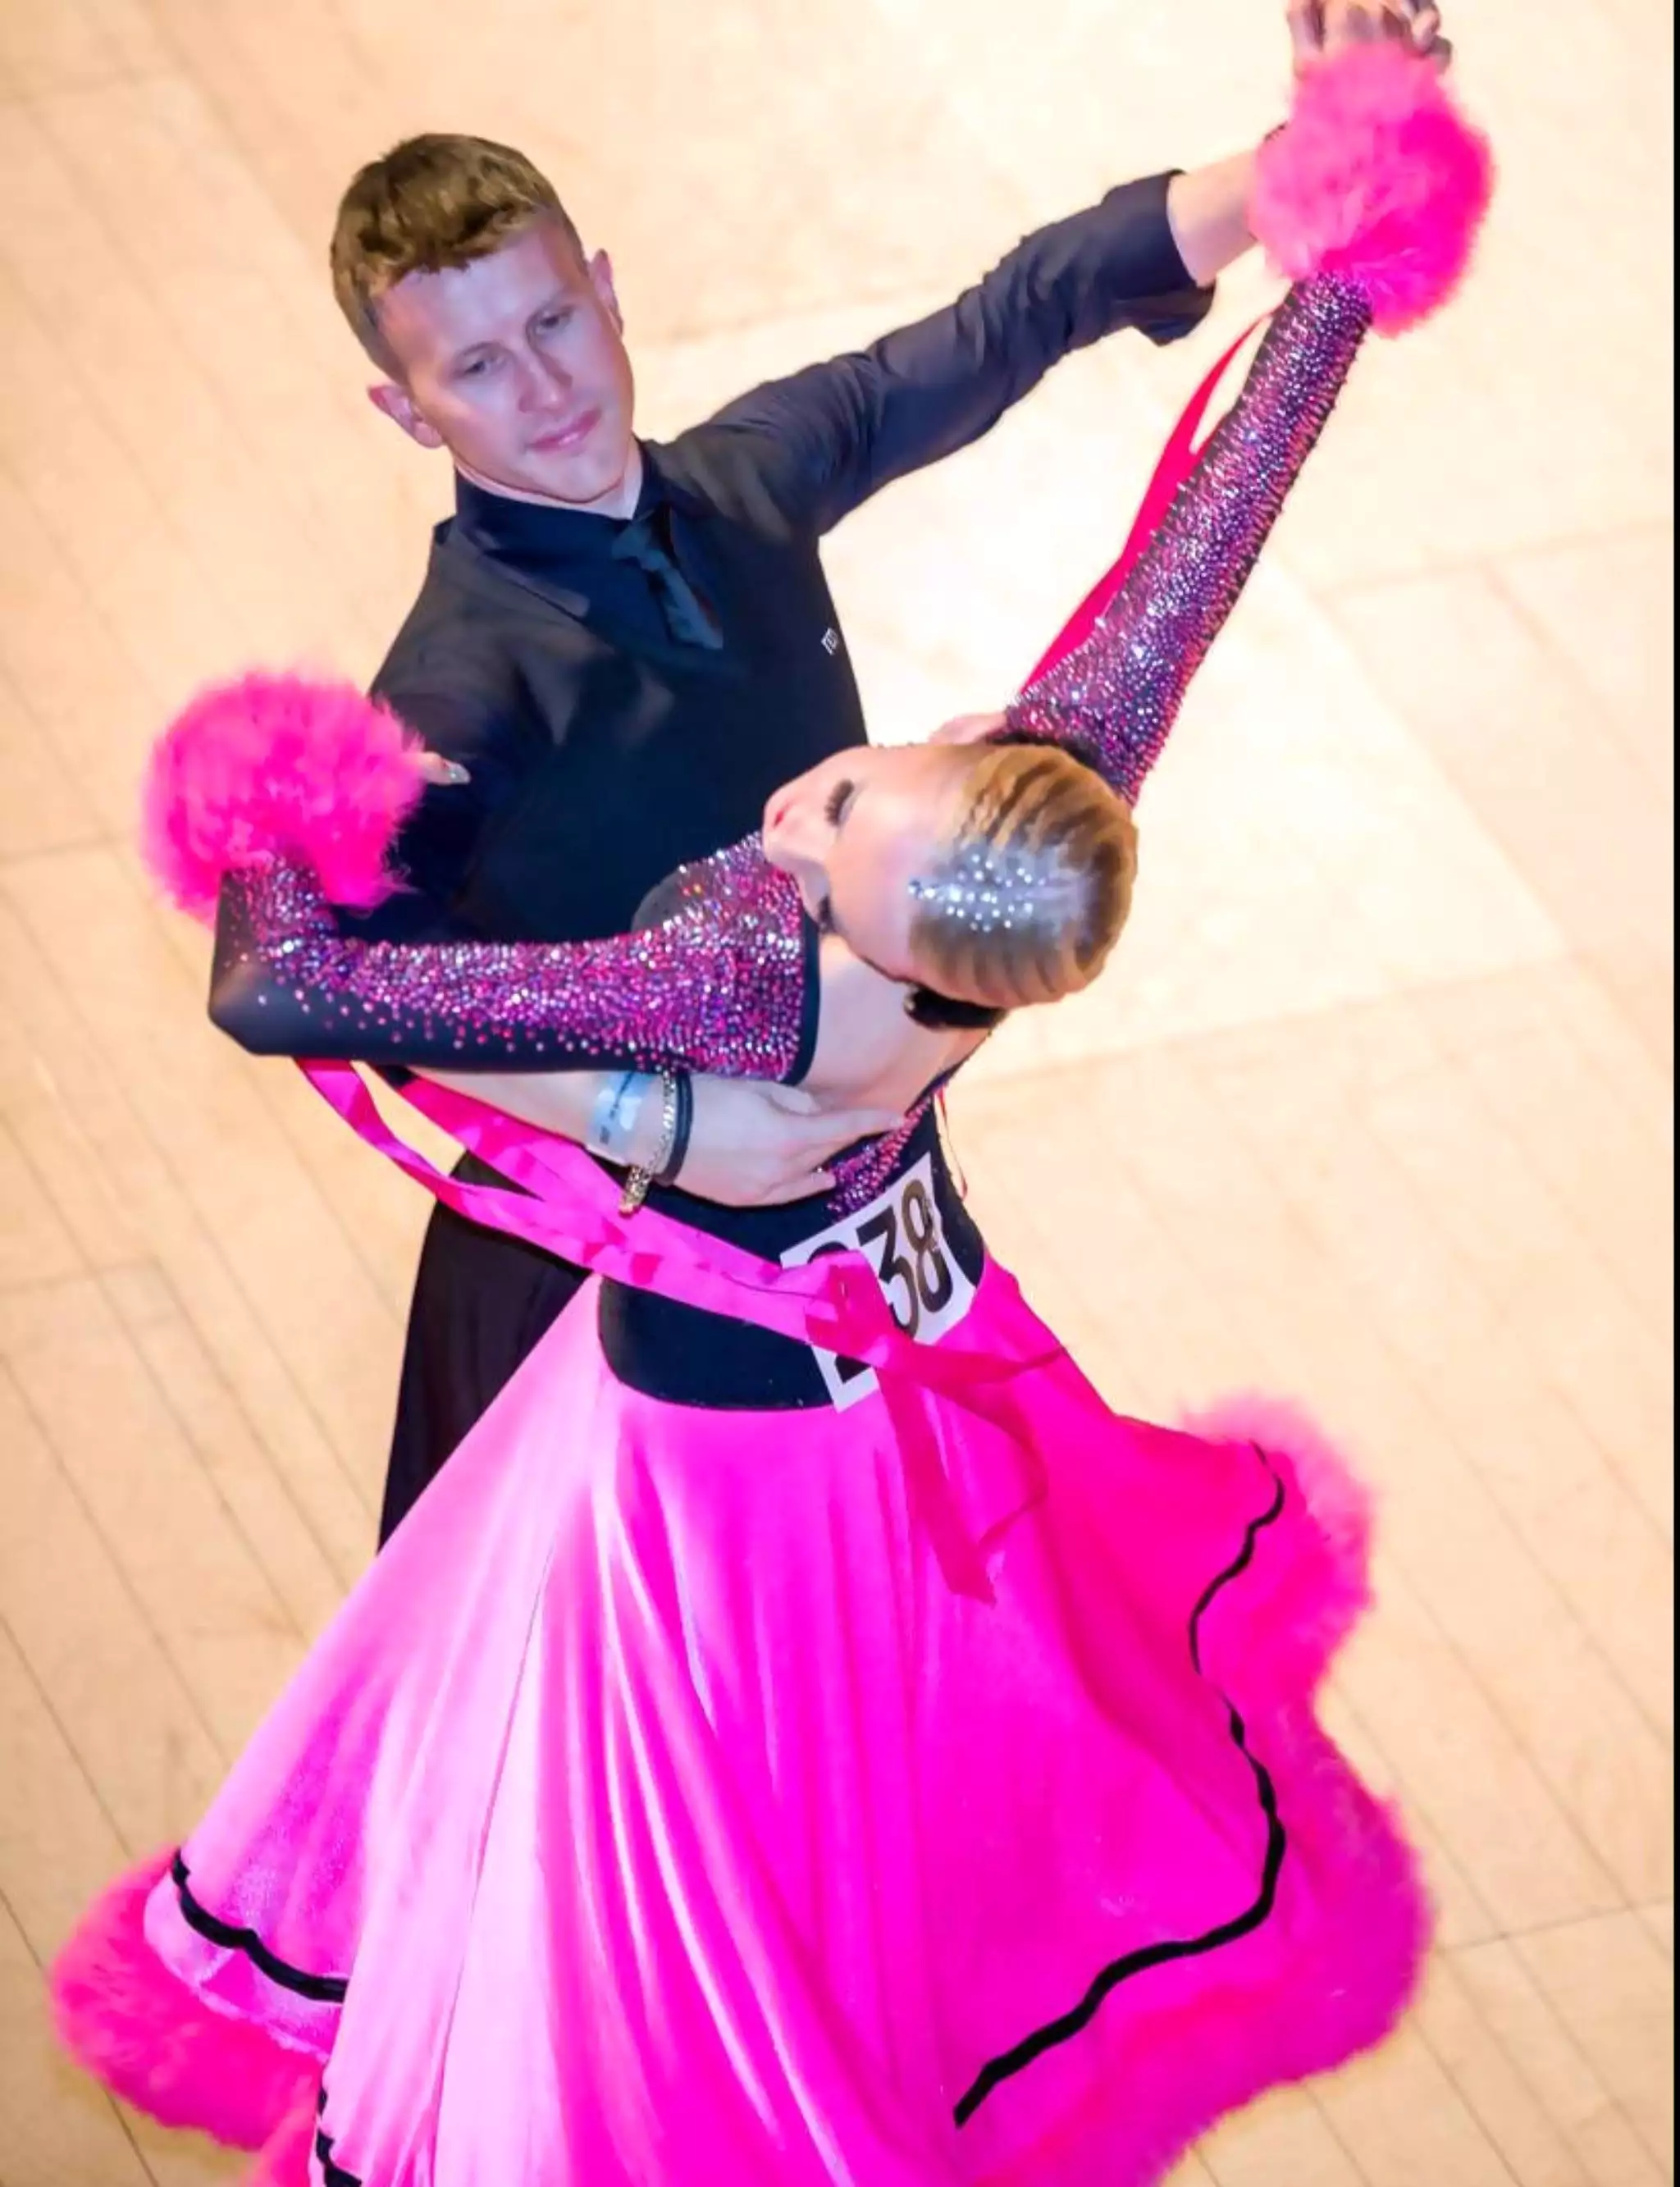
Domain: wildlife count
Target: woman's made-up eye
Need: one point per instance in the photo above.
(833, 808)
(824, 917)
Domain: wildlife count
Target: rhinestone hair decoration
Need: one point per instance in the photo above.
(984, 890)
(1114, 700)
(718, 984)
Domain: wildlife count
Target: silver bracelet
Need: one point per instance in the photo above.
(638, 1180)
(617, 1106)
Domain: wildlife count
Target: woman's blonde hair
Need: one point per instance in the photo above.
(1032, 889)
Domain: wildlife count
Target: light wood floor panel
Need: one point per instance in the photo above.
(53, 2133)
(132, 1715)
(1612, 1989)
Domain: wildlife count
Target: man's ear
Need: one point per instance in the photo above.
(601, 281)
(397, 404)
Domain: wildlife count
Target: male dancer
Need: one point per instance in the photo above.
(623, 647)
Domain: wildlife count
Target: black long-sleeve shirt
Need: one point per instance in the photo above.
(728, 981)
(604, 751)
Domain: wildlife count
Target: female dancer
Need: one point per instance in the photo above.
(798, 1741)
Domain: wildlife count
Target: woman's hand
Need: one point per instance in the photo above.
(1320, 28)
(756, 1145)
(969, 730)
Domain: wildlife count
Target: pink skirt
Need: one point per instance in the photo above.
(654, 1812)
(657, 1812)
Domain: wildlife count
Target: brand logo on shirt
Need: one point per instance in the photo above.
(831, 640)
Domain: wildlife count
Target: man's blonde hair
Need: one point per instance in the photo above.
(431, 203)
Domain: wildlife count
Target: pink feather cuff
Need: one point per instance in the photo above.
(277, 766)
(1378, 181)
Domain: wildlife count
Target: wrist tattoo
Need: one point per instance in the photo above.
(613, 1121)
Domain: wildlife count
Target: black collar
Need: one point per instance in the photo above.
(533, 530)
(537, 532)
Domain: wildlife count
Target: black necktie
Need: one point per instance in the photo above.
(687, 616)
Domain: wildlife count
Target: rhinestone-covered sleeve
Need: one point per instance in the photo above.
(725, 982)
(1115, 698)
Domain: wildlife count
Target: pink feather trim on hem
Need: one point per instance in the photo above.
(277, 766)
(1201, 2056)
(124, 2017)
(1378, 180)
(284, 2161)
(1354, 1970)
(1350, 1976)
(1302, 1606)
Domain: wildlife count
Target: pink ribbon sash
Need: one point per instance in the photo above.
(1178, 459)
(568, 1206)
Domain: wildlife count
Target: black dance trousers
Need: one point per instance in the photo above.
(482, 1303)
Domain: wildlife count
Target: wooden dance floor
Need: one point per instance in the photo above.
(1373, 1109)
